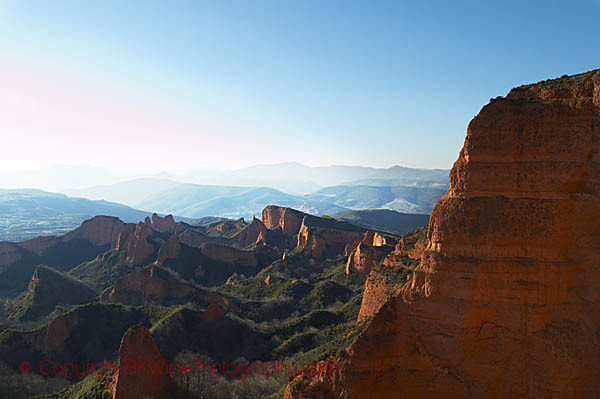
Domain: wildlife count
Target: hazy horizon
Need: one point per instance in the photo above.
(62, 178)
(206, 84)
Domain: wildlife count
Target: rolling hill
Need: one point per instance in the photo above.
(194, 201)
(384, 219)
(397, 198)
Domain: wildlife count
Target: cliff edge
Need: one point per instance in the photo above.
(506, 299)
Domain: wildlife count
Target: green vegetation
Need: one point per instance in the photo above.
(411, 238)
(393, 275)
(90, 387)
(47, 290)
(296, 309)
(103, 271)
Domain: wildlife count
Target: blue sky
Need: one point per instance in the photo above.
(226, 84)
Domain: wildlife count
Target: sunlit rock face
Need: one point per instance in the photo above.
(506, 299)
(289, 220)
(135, 241)
(132, 380)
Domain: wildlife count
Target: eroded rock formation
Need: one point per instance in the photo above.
(166, 224)
(225, 254)
(255, 233)
(134, 240)
(289, 220)
(364, 258)
(133, 378)
(150, 285)
(318, 235)
(506, 299)
(169, 250)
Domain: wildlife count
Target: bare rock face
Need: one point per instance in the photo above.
(289, 220)
(374, 239)
(135, 241)
(138, 348)
(505, 301)
(378, 290)
(98, 231)
(385, 282)
(195, 238)
(225, 254)
(166, 224)
(408, 250)
(169, 250)
(149, 285)
(255, 233)
(317, 235)
(53, 337)
(364, 258)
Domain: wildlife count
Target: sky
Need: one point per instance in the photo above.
(192, 85)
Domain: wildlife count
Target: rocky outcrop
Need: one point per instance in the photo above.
(138, 355)
(225, 254)
(195, 238)
(408, 250)
(318, 235)
(53, 337)
(100, 231)
(135, 241)
(364, 258)
(49, 288)
(287, 219)
(18, 260)
(226, 226)
(379, 288)
(374, 239)
(397, 266)
(253, 234)
(151, 285)
(505, 301)
(164, 225)
(169, 250)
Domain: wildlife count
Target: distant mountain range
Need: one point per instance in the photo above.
(27, 213)
(129, 192)
(291, 177)
(195, 201)
(398, 198)
(296, 178)
(244, 192)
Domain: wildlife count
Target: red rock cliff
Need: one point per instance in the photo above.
(169, 250)
(138, 348)
(254, 233)
(287, 219)
(99, 230)
(134, 239)
(317, 235)
(151, 284)
(506, 299)
(364, 258)
(166, 224)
